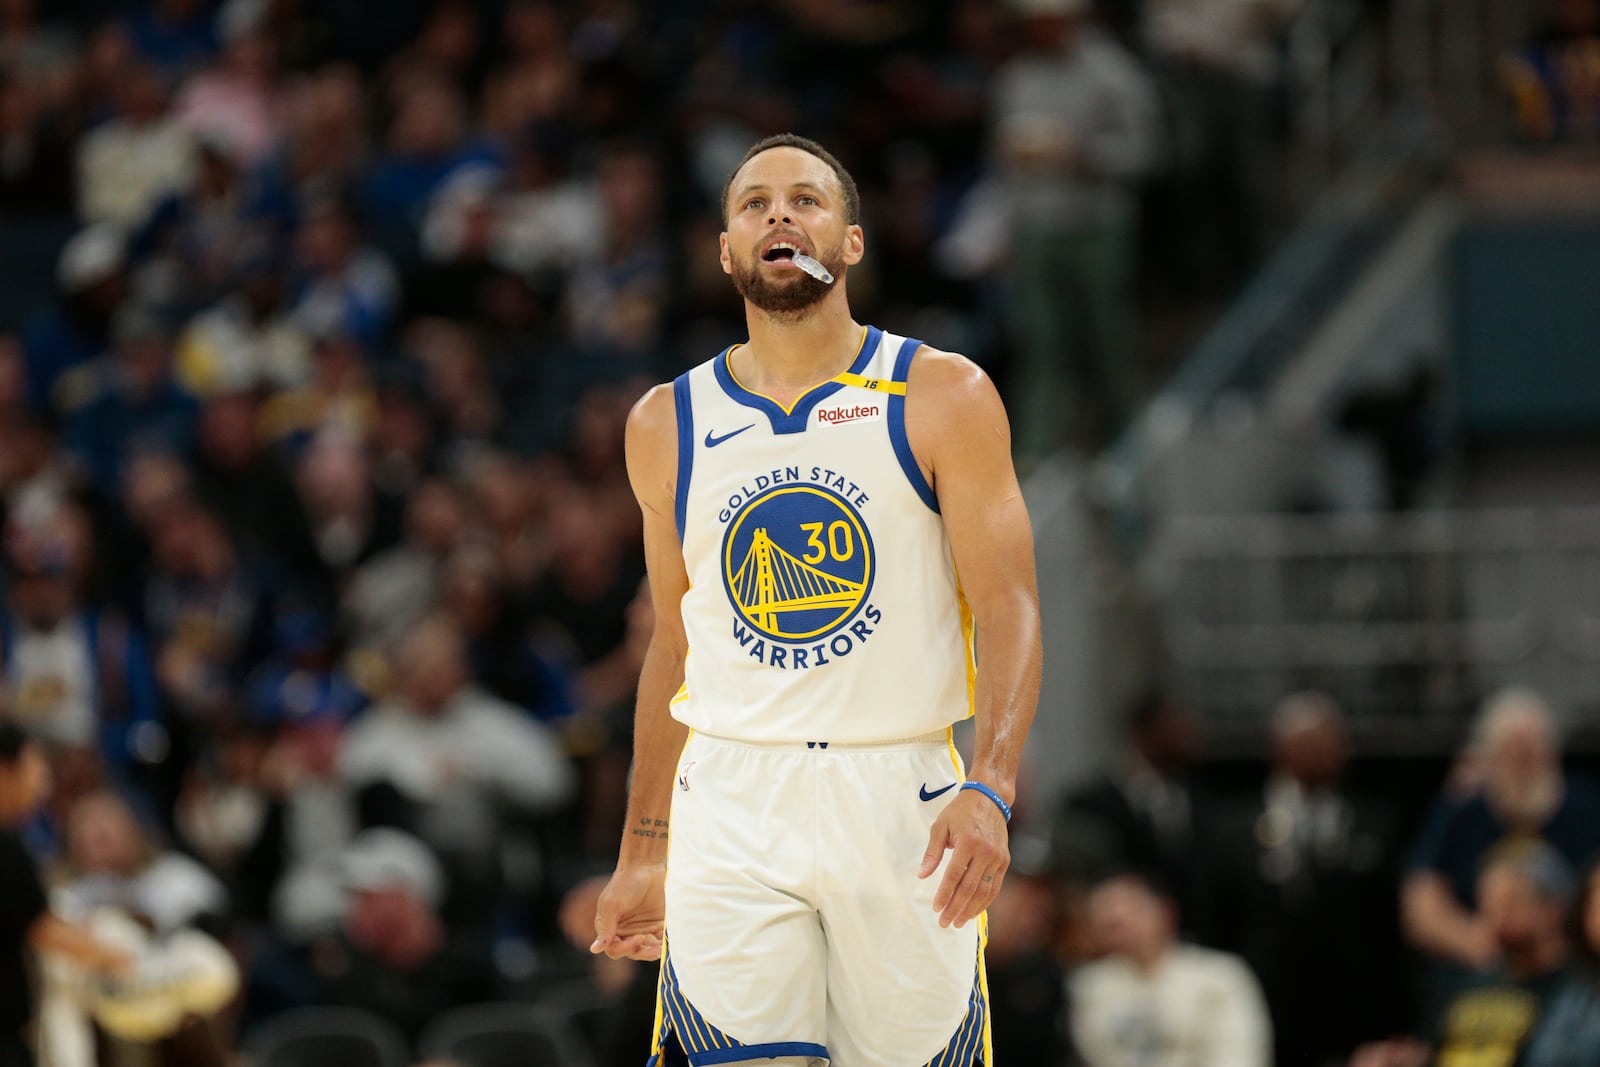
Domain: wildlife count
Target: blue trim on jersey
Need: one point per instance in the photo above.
(897, 427)
(680, 504)
(794, 420)
(769, 1051)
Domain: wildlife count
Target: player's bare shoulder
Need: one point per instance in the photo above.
(652, 447)
(950, 402)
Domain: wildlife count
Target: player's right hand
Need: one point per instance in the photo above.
(631, 917)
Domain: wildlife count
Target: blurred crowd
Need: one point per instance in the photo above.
(322, 576)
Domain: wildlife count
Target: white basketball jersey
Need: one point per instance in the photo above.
(823, 602)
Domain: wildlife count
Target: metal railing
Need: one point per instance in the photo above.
(1409, 619)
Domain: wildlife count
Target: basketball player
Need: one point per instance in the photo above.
(834, 532)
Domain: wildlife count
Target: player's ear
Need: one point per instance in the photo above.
(722, 254)
(855, 246)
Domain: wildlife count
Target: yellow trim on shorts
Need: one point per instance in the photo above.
(983, 986)
(661, 1007)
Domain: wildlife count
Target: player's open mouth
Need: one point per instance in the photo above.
(780, 250)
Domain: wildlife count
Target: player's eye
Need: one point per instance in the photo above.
(807, 200)
(754, 204)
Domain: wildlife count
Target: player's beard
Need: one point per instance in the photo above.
(787, 298)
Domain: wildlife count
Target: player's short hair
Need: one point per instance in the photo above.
(847, 184)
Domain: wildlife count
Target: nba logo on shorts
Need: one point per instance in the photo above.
(683, 779)
(797, 562)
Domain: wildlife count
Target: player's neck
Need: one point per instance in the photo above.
(787, 356)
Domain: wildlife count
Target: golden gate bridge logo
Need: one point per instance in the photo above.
(797, 562)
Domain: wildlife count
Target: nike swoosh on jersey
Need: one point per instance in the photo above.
(712, 440)
(925, 795)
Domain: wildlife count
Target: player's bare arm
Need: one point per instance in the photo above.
(958, 430)
(631, 915)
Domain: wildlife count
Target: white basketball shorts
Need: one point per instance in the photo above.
(796, 923)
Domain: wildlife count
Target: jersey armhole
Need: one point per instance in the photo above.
(897, 426)
(680, 491)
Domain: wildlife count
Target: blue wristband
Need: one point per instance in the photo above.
(979, 787)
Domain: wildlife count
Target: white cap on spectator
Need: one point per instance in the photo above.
(1048, 8)
(382, 858)
(92, 255)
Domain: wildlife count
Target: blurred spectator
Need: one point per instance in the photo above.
(33, 475)
(1525, 794)
(196, 241)
(113, 863)
(238, 99)
(74, 675)
(457, 380)
(340, 285)
(327, 142)
(35, 151)
(593, 574)
(127, 401)
(208, 614)
(428, 141)
(235, 477)
(1027, 988)
(128, 164)
(1219, 64)
(462, 765)
(1551, 84)
(1569, 1028)
(509, 654)
(92, 275)
(617, 301)
(221, 809)
(627, 986)
(246, 339)
(1154, 1001)
(446, 46)
(337, 400)
(1144, 814)
(535, 218)
(1075, 128)
(351, 520)
(1307, 874)
(34, 51)
(393, 590)
(601, 733)
(1488, 1015)
(120, 879)
(290, 871)
(25, 919)
(390, 954)
(175, 34)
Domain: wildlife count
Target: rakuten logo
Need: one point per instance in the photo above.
(843, 414)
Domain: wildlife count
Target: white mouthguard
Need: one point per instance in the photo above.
(813, 268)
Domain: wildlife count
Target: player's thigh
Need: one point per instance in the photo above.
(901, 988)
(745, 953)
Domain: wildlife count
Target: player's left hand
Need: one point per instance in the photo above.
(974, 831)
